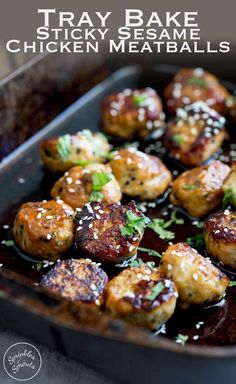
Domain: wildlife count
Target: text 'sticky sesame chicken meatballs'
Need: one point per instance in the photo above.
(199, 190)
(229, 187)
(140, 175)
(80, 185)
(109, 232)
(197, 280)
(142, 296)
(220, 237)
(62, 153)
(44, 229)
(190, 85)
(195, 134)
(80, 281)
(132, 113)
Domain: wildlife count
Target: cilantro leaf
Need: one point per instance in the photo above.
(178, 138)
(98, 182)
(150, 252)
(181, 339)
(156, 290)
(196, 241)
(96, 196)
(82, 163)
(64, 146)
(229, 198)
(134, 223)
(159, 226)
(139, 99)
(38, 266)
(8, 243)
(232, 283)
(195, 80)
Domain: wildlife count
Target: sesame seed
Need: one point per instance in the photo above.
(21, 180)
(195, 337)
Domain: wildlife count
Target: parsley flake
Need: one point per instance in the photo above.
(139, 99)
(189, 187)
(156, 290)
(181, 339)
(99, 180)
(195, 80)
(64, 146)
(232, 283)
(229, 198)
(134, 223)
(159, 226)
(178, 138)
(8, 243)
(150, 252)
(196, 241)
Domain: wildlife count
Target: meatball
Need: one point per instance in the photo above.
(132, 113)
(229, 186)
(44, 229)
(220, 237)
(142, 296)
(62, 153)
(199, 190)
(109, 232)
(80, 185)
(80, 281)
(196, 279)
(190, 85)
(195, 134)
(140, 175)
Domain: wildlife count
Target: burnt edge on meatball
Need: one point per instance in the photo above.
(217, 226)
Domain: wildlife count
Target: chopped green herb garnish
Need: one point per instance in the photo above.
(196, 241)
(156, 289)
(189, 187)
(198, 224)
(181, 339)
(139, 99)
(135, 262)
(64, 146)
(8, 243)
(232, 283)
(178, 138)
(134, 223)
(150, 252)
(38, 266)
(195, 80)
(160, 226)
(229, 198)
(82, 163)
(98, 182)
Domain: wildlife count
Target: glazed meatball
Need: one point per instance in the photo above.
(220, 237)
(80, 281)
(44, 229)
(195, 134)
(109, 232)
(140, 175)
(62, 153)
(199, 190)
(142, 296)
(229, 186)
(196, 279)
(132, 113)
(80, 185)
(190, 85)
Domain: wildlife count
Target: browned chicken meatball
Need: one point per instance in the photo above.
(140, 175)
(80, 185)
(190, 85)
(229, 187)
(199, 190)
(80, 281)
(195, 134)
(142, 296)
(132, 113)
(44, 229)
(109, 232)
(196, 279)
(220, 237)
(62, 153)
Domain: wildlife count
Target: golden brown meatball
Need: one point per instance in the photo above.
(229, 187)
(196, 279)
(190, 85)
(62, 153)
(109, 232)
(132, 113)
(140, 175)
(80, 281)
(199, 190)
(44, 229)
(142, 296)
(80, 185)
(220, 237)
(195, 134)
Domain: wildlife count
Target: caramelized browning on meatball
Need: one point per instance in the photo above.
(44, 229)
(62, 153)
(80, 185)
(197, 280)
(80, 281)
(140, 175)
(229, 186)
(195, 134)
(109, 232)
(199, 190)
(190, 85)
(220, 237)
(142, 296)
(132, 113)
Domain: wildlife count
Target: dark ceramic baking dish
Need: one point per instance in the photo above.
(124, 352)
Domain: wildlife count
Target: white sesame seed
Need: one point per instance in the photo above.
(21, 180)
